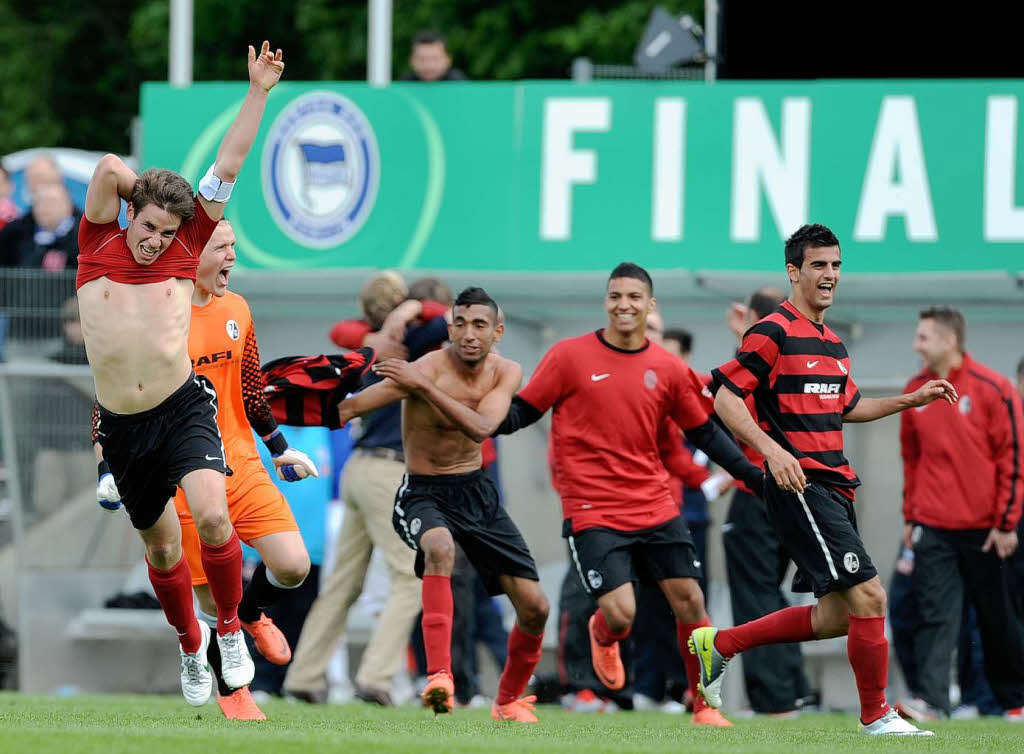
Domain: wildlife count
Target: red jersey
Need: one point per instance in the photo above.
(103, 251)
(798, 372)
(962, 463)
(608, 407)
(349, 333)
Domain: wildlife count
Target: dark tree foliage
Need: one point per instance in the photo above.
(70, 70)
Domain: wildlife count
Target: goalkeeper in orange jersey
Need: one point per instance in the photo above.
(222, 346)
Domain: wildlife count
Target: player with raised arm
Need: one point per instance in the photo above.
(799, 374)
(611, 392)
(454, 400)
(158, 420)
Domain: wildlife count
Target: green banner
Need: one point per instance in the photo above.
(544, 177)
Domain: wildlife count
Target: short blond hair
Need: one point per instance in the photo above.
(380, 294)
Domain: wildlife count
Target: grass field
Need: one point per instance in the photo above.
(166, 725)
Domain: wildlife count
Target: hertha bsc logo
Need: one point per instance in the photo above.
(321, 169)
(851, 562)
(595, 579)
(232, 328)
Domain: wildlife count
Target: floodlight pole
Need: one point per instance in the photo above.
(711, 11)
(378, 48)
(180, 69)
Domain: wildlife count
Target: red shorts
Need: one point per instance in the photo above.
(256, 507)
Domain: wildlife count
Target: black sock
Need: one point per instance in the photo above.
(260, 594)
(213, 657)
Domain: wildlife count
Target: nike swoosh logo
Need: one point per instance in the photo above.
(599, 377)
(213, 458)
(812, 364)
(230, 620)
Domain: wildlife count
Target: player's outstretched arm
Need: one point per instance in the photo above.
(477, 425)
(783, 466)
(723, 450)
(370, 399)
(869, 409)
(111, 182)
(215, 187)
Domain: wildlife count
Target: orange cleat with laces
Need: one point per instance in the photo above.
(269, 640)
(518, 710)
(240, 706)
(439, 693)
(710, 716)
(606, 660)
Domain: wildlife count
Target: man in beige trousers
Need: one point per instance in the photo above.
(371, 477)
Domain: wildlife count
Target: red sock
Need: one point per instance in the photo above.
(790, 624)
(438, 609)
(603, 632)
(173, 588)
(869, 657)
(523, 655)
(683, 631)
(223, 567)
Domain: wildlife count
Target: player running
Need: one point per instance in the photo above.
(799, 374)
(611, 392)
(445, 496)
(157, 418)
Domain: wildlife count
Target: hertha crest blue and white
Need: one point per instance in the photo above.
(321, 169)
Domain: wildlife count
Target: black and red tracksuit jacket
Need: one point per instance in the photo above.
(962, 463)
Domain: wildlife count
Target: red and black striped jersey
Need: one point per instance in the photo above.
(799, 374)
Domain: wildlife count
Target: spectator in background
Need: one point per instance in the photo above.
(8, 209)
(370, 479)
(756, 562)
(961, 504)
(430, 60)
(44, 238)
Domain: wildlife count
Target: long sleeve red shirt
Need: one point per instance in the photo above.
(962, 463)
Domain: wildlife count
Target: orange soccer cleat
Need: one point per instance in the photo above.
(710, 716)
(240, 706)
(439, 693)
(606, 660)
(518, 710)
(269, 640)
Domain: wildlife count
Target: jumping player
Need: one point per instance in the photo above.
(157, 418)
(799, 373)
(445, 496)
(611, 392)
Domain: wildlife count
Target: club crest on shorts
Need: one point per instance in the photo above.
(232, 328)
(321, 169)
(595, 579)
(851, 562)
(414, 526)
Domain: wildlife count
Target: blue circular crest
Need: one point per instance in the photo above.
(321, 169)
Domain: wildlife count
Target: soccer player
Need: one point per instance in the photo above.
(454, 400)
(961, 505)
(611, 391)
(799, 373)
(223, 348)
(157, 418)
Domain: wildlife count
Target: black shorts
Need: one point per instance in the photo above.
(821, 536)
(605, 559)
(149, 452)
(467, 506)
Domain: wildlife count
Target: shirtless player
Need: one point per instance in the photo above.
(157, 418)
(445, 496)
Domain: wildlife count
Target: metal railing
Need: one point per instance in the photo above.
(33, 306)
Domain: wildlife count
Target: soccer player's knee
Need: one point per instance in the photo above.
(874, 598)
(619, 615)
(292, 575)
(439, 554)
(533, 614)
(163, 555)
(213, 525)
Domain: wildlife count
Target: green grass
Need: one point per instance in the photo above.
(166, 725)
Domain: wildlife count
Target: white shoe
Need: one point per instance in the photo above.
(196, 679)
(236, 665)
(891, 724)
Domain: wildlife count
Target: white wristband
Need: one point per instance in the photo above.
(213, 189)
